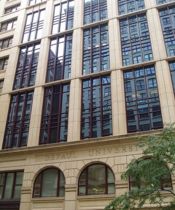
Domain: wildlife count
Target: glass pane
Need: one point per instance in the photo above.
(1, 191)
(82, 180)
(9, 186)
(19, 177)
(110, 176)
(49, 182)
(17, 192)
(111, 188)
(2, 178)
(96, 179)
(61, 192)
(82, 190)
(37, 186)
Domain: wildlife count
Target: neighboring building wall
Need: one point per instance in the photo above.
(115, 150)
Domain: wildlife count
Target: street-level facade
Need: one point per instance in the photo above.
(80, 81)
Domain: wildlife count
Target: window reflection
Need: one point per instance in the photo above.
(126, 6)
(27, 66)
(59, 63)
(94, 10)
(54, 122)
(34, 26)
(96, 117)
(63, 17)
(95, 49)
(49, 183)
(135, 40)
(33, 2)
(163, 1)
(168, 26)
(17, 127)
(172, 70)
(96, 179)
(142, 100)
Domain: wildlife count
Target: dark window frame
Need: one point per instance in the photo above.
(5, 24)
(168, 28)
(85, 170)
(11, 9)
(136, 44)
(40, 177)
(30, 3)
(126, 4)
(52, 121)
(100, 8)
(55, 70)
(95, 51)
(59, 19)
(172, 72)
(163, 1)
(93, 107)
(135, 109)
(14, 185)
(1, 85)
(4, 63)
(33, 26)
(18, 126)
(21, 71)
(6, 42)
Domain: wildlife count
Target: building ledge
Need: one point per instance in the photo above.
(85, 143)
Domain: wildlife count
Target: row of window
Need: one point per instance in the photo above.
(95, 10)
(11, 9)
(8, 25)
(131, 5)
(95, 179)
(3, 63)
(142, 108)
(6, 42)
(135, 46)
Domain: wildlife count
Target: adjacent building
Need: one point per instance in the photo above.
(80, 81)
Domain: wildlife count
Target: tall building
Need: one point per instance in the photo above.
(80, 80)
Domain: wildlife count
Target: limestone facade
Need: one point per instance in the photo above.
(73, 156)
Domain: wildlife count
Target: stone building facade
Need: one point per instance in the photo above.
(80, 80)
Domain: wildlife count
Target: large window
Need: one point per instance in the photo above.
(96, 179)
(168, 26)
(172, 69)
(27, 66)
(135, 40)
(34, 26)
(96, 119)
(8, 25)
(94, 10)
(95, 49)
(142, 99)
(3, 63)
(63, 16)
(10, 190)
(164, 1)
(49, 183)
(33, 2)
(18, 121)
(6, 42)
(54, 122)
(126, 6)
(1, 85)
(60, 54)
(11, 9)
